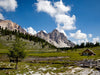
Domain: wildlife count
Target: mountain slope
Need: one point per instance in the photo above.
(56, 38)
(11, 26)
(8, 34)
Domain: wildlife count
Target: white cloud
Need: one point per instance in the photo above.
(45, 6)
(79, 41)
(74, 42)
(30, 30)
(67, 21)
(82, 41)
(1, 16)
(61, 8)
(97, 39)
(8, 5)
(78, 35)
(58, 11)
(90, 35)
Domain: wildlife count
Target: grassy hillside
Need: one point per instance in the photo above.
(7, 38)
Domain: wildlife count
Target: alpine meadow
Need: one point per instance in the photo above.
(49, 37)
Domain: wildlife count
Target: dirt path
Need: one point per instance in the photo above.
(44, 58)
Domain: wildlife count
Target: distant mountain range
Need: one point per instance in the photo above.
(55, 37)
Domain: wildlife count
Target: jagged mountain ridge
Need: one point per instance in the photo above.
(11, 26)
(8, 36)
(56, 38)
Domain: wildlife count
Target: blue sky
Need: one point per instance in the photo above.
(28, 14)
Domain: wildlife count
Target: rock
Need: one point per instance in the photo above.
(56, 38)
(11, 26)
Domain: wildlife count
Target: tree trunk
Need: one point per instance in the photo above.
(16, 66)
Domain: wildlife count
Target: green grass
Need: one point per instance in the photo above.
(36, 67)
(70, 54)
(73, 55)
(4, 51)
(2, 46)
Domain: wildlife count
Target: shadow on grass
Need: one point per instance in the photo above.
(6, 68)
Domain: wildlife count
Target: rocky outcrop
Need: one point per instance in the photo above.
(11, 26)
(56, 38)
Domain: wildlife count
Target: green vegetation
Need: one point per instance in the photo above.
(7, 37)
(71, 54)
(37, 68)
(38, 48)
(17, 51)
(30, 68)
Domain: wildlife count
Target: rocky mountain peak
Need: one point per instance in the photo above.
(11, 26)
(42, 32)
(56, 38)
(55, 31)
